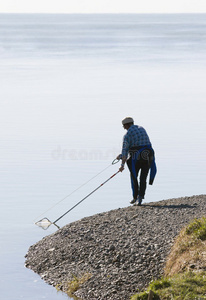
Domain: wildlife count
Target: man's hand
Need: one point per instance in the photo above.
(119, 157)
(123, 158)
(121, 168)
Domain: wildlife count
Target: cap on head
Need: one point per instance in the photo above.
(127, 120)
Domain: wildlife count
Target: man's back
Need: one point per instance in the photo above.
(136, 136)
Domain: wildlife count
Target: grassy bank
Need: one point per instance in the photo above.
(185, 270)
(70, 287)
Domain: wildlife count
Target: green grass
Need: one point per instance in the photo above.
(185, 286)
(197, 229)
(72, 286)
(179, 282)
(188, 248)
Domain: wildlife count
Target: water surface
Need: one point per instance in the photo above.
(67, 81)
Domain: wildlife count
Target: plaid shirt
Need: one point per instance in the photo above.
(136, 136)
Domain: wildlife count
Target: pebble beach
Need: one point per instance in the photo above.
(122, 249)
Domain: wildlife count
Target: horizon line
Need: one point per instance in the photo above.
(106, 13)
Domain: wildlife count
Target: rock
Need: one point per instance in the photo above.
(123, 249)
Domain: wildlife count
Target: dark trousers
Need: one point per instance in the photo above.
(139, 161)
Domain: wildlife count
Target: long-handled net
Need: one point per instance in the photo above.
(45, 222)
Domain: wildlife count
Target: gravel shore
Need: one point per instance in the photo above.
(123, 249)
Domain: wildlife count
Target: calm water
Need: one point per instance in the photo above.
(67, 81)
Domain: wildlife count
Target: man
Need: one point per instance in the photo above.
(137, 144)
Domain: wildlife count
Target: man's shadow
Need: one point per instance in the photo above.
(171, 206)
